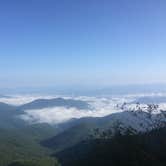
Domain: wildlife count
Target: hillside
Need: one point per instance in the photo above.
(81, 129)
(146, 149)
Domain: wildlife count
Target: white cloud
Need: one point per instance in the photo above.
(59, 114)
(102, 106)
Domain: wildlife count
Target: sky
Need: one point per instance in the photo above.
(92, 43)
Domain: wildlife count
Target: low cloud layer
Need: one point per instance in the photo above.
(58, 114)
(101, 106)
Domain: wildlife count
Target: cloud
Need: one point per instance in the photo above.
(59, 115)
(100, 107)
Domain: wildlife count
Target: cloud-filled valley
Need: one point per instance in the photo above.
(54, 115)
(99, 106)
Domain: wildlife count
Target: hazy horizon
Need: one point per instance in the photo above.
(87, 90)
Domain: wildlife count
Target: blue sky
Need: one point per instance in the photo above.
(82, 42)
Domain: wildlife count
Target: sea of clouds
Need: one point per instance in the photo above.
(101, 106)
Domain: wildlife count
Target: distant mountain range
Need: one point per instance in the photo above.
(57, 102)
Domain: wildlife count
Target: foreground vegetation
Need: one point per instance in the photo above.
(46, 161)
(148, 149)
(129, 150)
(22, 147)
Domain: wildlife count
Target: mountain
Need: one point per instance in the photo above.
(81, 129)
(23, 143)
(67, 138)
(20, 140)
(57, 102)
(8, 114)
(147, 149)
(6, 107)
